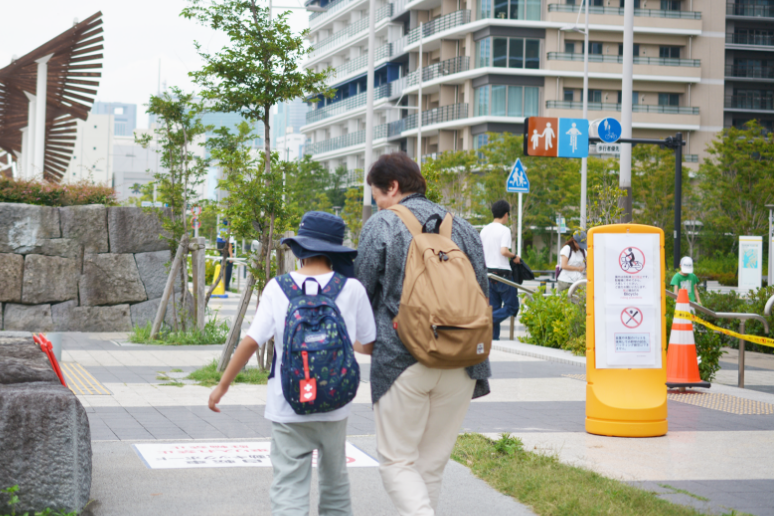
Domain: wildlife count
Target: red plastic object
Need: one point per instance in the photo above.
(48, 349)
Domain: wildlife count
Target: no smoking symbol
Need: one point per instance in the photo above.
(631, 317)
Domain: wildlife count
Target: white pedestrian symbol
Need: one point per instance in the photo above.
(535, 139)
(520, 178)
(549, 135)
(574, 132)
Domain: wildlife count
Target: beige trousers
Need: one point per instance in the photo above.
(417, 423)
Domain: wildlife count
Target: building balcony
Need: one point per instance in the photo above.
(749, 10)
(430, 117)
(440, 24)
(619, 11)
(442, 69)
(636, 108)
(750, 41)
(315, 19)
(359, 64)
(752, 103)
(344, 141)
(638, 60)
(764, 73)
(352, 30)
(348, 104)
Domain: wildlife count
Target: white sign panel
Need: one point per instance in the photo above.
(750, 262)
(227, 455)
(608, 148)
(627, 297)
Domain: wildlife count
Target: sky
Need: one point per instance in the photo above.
(138, 35)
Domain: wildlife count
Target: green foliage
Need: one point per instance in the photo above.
(555, 321)
(754, 302)
(13, 500)
(450, 180)
(43, 193)
(310, 187)
(538, 260)
(720, 266)
(353, 213)
(508, 445)
(209, 376)
(214, 333)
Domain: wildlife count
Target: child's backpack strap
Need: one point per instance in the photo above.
(289, 286)
(334, 286)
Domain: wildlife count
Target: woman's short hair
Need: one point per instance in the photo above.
(397, 166)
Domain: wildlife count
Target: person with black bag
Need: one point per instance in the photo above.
(497, 241)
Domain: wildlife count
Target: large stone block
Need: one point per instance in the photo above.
(87, 225)
(64, 247)
(133, 230)
(21, 360)
(70, 317)
(24, 226)
(45, 445)
(144, 313)
(11, 267)
(49, 279)
(110, 279)
(35, 318)
(153, 272)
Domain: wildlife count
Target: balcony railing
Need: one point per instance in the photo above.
(751, 72)
(647, 13)
(343, 141)
(442, 69)
(350, 103)
(737, 38)
(608, 58)
(361, 62)
(440, 24)
(751, 10)
(429, 117)
(355, 28)
(751, 102)
(332, 7)
(636, 108)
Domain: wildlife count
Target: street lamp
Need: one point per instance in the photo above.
(770, 278)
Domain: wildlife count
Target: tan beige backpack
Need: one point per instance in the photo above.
(444, 319)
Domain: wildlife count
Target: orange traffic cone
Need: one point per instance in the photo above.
(682, 366)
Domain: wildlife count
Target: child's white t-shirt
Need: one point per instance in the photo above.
(269, 322)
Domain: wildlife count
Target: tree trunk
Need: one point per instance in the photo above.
(236, 328)
(168, 289)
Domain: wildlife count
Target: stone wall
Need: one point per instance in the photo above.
(80, 268)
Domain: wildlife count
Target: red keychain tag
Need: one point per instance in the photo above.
(308, 386)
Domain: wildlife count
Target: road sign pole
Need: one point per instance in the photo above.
(625, 176)
(584, 161)
(518, 240)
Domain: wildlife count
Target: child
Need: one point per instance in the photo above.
(686, 279)
(295, 436)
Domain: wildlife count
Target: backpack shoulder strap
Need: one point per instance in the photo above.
(408, 218)
(289, 287)
(334, 286)
(446, 225)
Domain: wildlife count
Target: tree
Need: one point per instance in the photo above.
(737, 181)
(451, 176)
(307, 185)
(353, 213)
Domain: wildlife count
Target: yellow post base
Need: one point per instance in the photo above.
(626, 428)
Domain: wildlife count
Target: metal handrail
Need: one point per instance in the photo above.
(510, 283)
(769, 304)
(575, 286)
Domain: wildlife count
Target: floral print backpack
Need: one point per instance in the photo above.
(319, 372)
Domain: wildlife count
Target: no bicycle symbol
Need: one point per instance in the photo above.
(631, 317)
(631, 260)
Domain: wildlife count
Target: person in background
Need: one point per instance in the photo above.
(573, 261)
(226, 248)
(686, 279)
(496, 238)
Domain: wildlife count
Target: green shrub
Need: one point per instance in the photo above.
(209, 376)
(538, 260)
(213, 333)
(754, 302)
(13, 499)
(555, 321)
(43, 193)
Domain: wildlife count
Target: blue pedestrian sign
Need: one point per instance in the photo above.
(609, 130)
(517, 180)
(573, 138)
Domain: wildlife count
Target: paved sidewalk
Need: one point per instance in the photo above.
(538, 395)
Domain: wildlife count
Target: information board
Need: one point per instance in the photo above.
(627, 295)
(750, 262)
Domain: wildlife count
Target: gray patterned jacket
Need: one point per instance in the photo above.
(380, 267)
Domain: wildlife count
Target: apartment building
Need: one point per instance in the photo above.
(489, 64)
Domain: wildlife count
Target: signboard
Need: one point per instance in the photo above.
(561, 224)
(556, 137)
(609, 130)
(608, 148)
(517, 182)
(626, 392)
(627, 295)
(196, 223)
(227, 455)
(750, 262)
(196, 210)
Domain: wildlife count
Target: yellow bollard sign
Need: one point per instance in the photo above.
(626, 394)
(220, 289)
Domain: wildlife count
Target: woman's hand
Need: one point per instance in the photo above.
(215, 396)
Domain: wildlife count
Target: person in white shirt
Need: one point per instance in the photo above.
(496, 238)
(573, 261)
(295, 436)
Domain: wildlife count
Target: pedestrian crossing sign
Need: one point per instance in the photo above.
(518, 182)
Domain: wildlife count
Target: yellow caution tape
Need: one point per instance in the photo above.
(763, 341)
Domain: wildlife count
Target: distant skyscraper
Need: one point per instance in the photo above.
(125, 116)
(232, 120)
(288, 115)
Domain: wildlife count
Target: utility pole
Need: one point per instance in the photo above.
(625, 181)
(584, 160)
(677, 145)
(369, 129)
(419, 102)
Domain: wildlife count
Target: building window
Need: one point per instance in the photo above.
(635, 98)
(518, 101)
(508, 52)
(479, 141)
(635, 49)
(569, 48)
(501, 9)
(668, 99)
(669, 52)
(670, 5)
(636, 4)
(595, 96)
(509, 9)
(569, 95)
(595, 47)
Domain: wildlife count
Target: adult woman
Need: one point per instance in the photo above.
(573, 261)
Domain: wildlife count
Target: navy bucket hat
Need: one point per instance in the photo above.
(322, 234)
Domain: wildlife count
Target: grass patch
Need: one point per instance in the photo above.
(176, 371)
(209, 376)
(170, 382)
(683, 491)
(555, 489)
(12, 499)
(213, 333)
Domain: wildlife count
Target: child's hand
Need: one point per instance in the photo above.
(215, 396)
